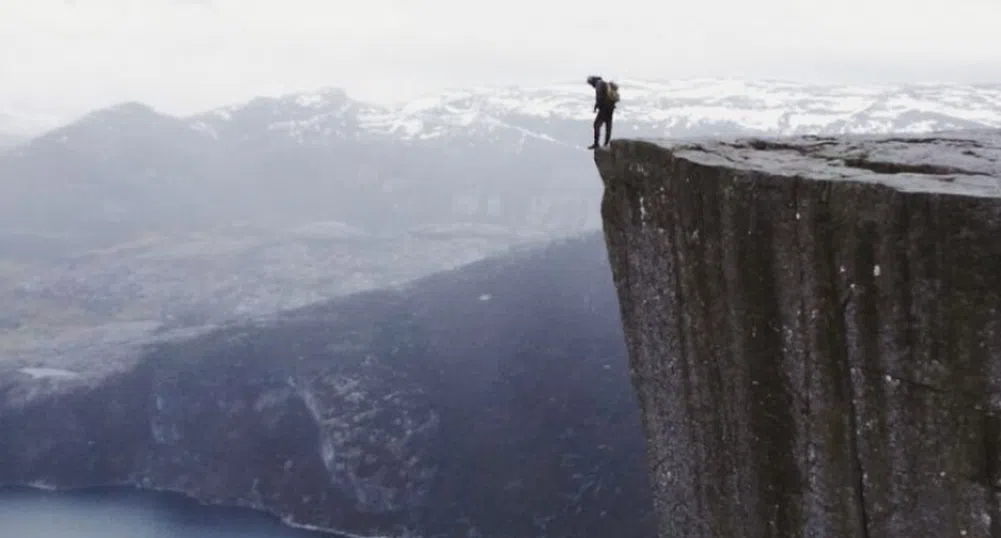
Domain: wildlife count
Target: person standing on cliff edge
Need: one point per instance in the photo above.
(606, 95)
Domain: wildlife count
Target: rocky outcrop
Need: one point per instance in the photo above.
(814, 331)
(490, 401)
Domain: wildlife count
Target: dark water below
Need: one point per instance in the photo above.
(128, 513)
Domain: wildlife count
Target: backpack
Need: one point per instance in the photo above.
(612, 92)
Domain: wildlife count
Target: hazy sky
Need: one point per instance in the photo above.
(67, 56)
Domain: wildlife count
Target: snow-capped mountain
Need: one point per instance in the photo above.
(555, 113)
(510, 157)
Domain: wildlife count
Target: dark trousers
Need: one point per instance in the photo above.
(604, 117)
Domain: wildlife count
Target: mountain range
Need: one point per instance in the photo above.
(673, 108)
(710, 107)
(495, 156)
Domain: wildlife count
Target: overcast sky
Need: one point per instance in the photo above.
(67, 56)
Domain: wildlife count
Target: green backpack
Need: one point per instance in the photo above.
(612, 92)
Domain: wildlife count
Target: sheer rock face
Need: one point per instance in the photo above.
(814, 332)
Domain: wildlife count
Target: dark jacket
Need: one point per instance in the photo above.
(601, 101)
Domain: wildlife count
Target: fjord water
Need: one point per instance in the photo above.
(128, 513)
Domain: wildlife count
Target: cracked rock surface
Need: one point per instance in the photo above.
(813, 329)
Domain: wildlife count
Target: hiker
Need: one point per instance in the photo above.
(606, 95)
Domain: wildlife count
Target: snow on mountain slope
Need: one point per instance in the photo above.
(307, 117)
(559, 112)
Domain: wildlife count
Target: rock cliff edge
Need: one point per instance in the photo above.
(814, 332)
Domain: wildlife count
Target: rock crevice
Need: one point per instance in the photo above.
(813, 330)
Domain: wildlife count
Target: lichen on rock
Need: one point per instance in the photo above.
(813, 329)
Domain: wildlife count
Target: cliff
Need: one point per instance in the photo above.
(490, 401)
(813, 330)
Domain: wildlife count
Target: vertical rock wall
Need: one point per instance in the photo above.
(814, 331)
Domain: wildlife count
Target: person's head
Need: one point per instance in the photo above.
(592, 80)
